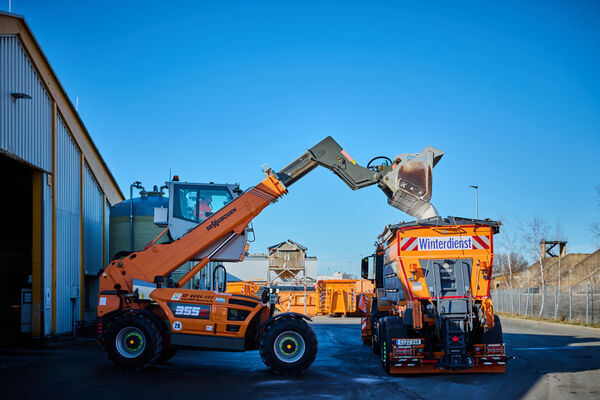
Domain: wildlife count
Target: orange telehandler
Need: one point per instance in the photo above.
(432, 310)
(144, 317)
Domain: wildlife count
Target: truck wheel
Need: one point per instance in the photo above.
(393, 329)
(133, 342)
(493, 335)
(167, 354)
(288, 346)
(384, 345)
(375, 333)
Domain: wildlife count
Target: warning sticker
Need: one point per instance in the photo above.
(417, 286)
(102, 301)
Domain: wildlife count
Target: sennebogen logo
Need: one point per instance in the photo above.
(216, 222)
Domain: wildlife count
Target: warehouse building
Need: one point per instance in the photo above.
(56, 198)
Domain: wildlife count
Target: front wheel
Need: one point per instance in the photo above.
(288, 346)
(133, 342)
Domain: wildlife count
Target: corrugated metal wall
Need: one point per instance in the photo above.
(68, 229)
(25, 124)
(92, 224)
(26, 133)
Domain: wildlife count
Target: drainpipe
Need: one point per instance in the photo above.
(137, 185)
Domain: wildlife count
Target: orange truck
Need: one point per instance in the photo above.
(432, 310)
(144, 317)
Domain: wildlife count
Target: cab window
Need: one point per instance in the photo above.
(196, 202)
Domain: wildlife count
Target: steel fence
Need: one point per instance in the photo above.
(579, 304)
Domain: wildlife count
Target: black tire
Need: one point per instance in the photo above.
(376, 318)
(493, 335)
(166, 355)
(133, 342)
(393, 328)
(383, 344)
(288, 346)
(375, 335)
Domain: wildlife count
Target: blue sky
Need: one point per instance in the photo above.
(212, 90)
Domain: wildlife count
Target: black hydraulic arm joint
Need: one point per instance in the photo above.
(329, 154)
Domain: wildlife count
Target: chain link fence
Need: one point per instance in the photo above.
(573, 304)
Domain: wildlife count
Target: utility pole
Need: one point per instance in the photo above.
(476, 201)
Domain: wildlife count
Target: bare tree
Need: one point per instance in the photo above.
(534, 233)
(511, 261)
(595, 227)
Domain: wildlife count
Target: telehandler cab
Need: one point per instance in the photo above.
(144, 317)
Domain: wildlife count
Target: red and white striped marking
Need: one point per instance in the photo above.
(409, 244)
(363, 324)
(481, 242)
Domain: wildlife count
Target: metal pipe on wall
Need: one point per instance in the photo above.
(137, 185)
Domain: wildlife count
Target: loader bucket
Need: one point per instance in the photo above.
(409, 184)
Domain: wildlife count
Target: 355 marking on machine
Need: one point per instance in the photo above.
(190, 310)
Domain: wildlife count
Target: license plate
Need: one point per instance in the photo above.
(408, 342)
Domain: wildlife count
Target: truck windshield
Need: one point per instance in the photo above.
(198, 202)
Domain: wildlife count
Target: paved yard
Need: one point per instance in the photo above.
(553, 361)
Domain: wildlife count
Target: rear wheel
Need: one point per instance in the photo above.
(375, 335)
(493, 335)
(376, 319)
(133, 342)
(393, 328)
(288, 346)
(383, 345)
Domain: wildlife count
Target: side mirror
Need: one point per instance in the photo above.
(220, 286)
(364, 268)
(266, 295)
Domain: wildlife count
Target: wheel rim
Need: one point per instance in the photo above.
(130, 342)
(289, 346)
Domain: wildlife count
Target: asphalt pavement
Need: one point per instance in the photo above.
(552, 362)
